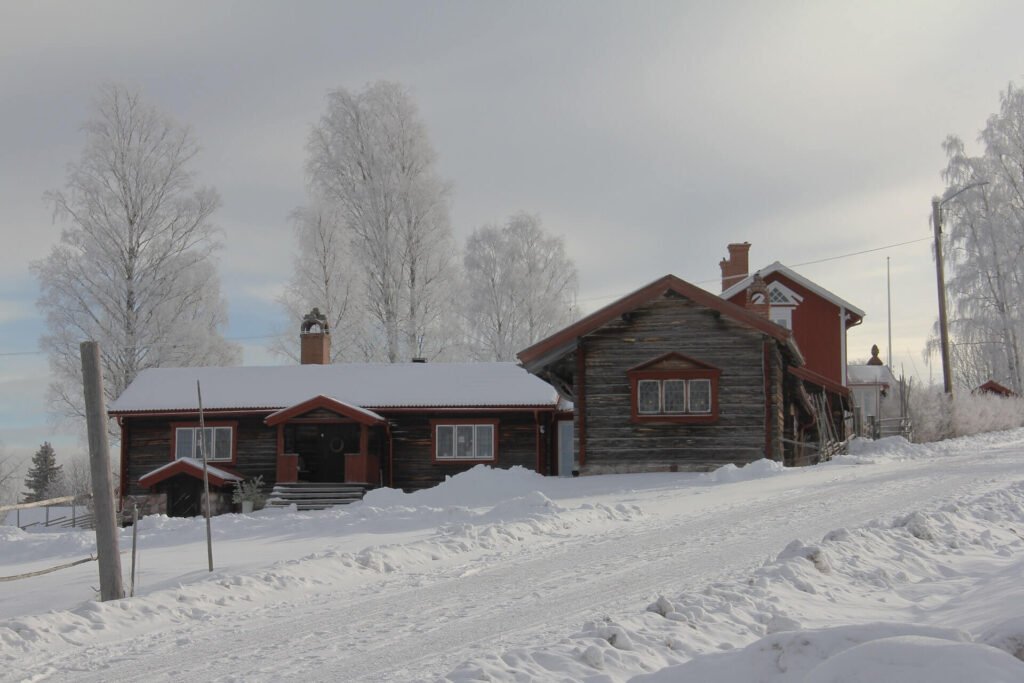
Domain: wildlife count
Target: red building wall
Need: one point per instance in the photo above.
(816, 329)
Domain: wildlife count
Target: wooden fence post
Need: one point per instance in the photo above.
(102, 481)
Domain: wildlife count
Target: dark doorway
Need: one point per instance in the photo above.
(183, 496)
(321, 449)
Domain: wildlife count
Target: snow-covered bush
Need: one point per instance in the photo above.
(935, 418)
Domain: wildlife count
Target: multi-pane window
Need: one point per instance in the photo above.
(673, 396)
(216, 443)
(464, 442)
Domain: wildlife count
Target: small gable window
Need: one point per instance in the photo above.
(674, 388)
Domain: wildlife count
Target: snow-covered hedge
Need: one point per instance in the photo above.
(935, 419)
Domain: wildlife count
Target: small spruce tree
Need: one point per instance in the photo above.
(44, 473)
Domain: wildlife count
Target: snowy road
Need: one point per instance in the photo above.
(422, 622)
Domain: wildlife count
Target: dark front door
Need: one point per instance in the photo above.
(183, 496)
(331, 456)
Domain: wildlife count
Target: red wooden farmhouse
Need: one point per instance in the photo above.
(321, 433)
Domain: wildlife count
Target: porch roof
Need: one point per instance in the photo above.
(357, 413)
(191, 467)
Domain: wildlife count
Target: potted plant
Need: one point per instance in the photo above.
(249, 493)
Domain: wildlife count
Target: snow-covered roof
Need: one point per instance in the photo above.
(869, 374)
(795, 277)
(368, 385)
(190, 466)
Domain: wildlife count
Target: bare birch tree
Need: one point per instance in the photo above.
(324, 276)
(520, 287)
(370, 157)
(985, 248)
(133, 269)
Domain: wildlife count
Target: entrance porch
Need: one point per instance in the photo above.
(326, 441)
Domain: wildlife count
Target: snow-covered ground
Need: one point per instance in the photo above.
(899, 562)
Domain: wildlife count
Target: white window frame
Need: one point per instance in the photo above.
(711, 398)
(482, 433)
(210, 457)
(781, 312)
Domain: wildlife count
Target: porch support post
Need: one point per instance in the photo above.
(364, 441)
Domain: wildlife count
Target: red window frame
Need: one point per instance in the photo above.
(710, 374)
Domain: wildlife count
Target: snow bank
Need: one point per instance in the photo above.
(459, 532)
(477, 487)
(758, 469)
(782, 616)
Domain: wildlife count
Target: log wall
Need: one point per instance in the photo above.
(149, 447)
(612, 441)
(414, 466)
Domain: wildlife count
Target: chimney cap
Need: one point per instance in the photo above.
(314, 319)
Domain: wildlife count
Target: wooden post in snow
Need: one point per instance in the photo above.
(99, 466)
(206, 475)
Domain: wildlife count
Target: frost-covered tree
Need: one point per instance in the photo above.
(324, 276)
(75, 478)
(371, 159)
(520, 287)
(984, 228)
(8, 476)
(44, 474)
(133, 269)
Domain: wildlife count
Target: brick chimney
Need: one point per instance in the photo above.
(736, 267)
(757, 298)
(315, 338)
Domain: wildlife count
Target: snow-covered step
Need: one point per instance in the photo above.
(315, 495)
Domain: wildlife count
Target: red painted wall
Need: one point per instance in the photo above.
(815, 327)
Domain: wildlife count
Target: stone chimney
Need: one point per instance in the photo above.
(736, 267)
(757, 298)
(315, 337)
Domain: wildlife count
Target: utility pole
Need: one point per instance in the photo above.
(947, 371)
(107, 551)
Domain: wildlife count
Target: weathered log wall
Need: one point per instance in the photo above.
(747, 402)
(414, 466)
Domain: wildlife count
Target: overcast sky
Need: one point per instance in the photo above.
(648, 135)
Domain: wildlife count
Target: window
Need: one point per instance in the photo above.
(465, 441)
(673, 397)
(674, 388)
(217, 443)
(783, 300)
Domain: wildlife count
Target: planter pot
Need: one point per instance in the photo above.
(246, 507)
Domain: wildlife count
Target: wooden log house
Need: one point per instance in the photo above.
(672, 377)
(404, 425)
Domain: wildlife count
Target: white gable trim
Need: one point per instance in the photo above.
(795, 277)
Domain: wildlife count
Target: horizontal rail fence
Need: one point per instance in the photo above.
(80, 515)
